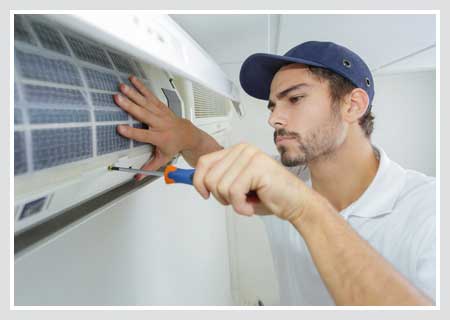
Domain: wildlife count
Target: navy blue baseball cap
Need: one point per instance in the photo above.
(258, 70)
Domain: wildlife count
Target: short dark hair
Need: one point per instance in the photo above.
(339, 88)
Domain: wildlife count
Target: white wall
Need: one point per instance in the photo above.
(405, 118)
(405, 109)
(155, 247)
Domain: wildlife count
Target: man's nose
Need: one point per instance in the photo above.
(277, 119)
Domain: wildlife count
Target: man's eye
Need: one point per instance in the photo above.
(295, 99)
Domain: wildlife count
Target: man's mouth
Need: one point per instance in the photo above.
(283, 138)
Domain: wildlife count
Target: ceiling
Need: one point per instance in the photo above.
(388, 42)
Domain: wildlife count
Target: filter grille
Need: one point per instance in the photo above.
(63, 96)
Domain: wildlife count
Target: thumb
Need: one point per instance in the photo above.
(157, 161)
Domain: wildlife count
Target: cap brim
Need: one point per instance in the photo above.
(258, 70)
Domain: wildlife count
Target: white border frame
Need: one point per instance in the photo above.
(290, 12)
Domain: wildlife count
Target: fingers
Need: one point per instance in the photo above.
(204, 163)
(140, 97)
(233, 167)
(224, 172)
(133, 95)
(142, 88)
(141, 135)
(238, 192)
(229, 175)
(134, 110)
(215, 172)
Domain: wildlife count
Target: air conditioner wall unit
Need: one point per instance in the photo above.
(66, 69)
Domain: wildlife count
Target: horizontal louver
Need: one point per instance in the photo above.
(208, 104)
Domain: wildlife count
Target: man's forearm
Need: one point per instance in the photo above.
(197, 143)
(354, 273)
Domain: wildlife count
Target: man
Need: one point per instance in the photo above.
(361, 229)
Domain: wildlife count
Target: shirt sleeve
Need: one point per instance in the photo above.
(423, 223)
(426, 260)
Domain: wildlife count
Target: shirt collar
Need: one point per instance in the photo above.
(380, 197)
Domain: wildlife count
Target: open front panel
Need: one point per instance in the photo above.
(65, 118)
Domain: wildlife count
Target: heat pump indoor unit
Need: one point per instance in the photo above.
(66, 70)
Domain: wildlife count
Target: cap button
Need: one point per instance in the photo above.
(346, 63)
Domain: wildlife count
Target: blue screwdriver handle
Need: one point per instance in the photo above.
(173, 174)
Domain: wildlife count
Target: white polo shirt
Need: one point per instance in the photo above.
(396, 215)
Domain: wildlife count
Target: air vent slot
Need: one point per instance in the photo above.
(32, 207)
(208, 104)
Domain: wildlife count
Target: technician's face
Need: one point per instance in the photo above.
(307, 126)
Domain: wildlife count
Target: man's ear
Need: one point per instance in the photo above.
(356, 105)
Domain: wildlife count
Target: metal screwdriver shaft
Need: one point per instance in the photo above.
(131, 170)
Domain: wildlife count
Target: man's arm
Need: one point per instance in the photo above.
(354, 273)
(169, 133)
(197, 143)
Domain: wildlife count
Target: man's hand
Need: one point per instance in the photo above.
(231, 173)
(166, 130)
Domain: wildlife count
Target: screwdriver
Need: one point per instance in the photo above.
(172, 175)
